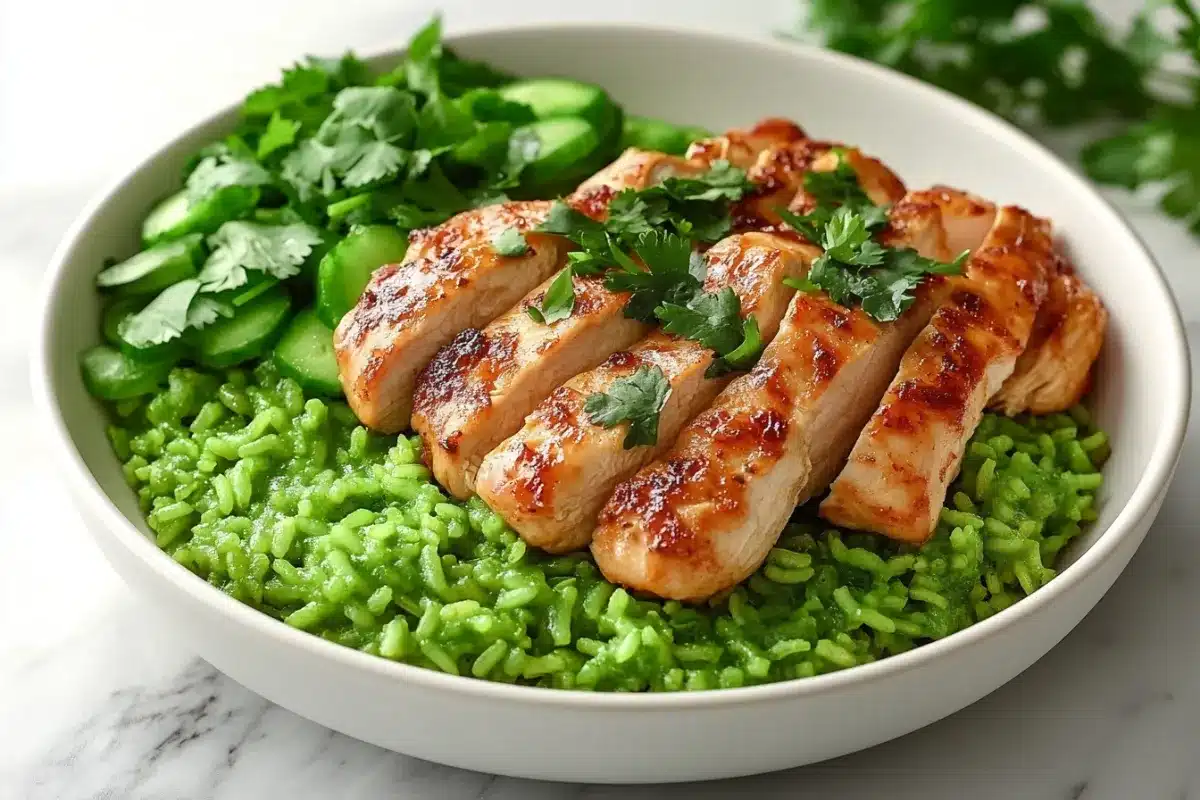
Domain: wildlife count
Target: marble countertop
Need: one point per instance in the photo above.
(98, 701)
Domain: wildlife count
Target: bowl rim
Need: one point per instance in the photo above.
(1150, 486)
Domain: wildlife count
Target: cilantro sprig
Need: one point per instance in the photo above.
(558, 302)
(1068, 68)
(638, 400)
(857, 270)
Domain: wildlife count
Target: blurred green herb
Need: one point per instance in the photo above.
(1052, 63)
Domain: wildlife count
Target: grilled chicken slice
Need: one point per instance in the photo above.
(895, 481)
(741, 147)
(703, 517)
(1055, 370)
(778, 175)
(550, 478)
(451, 278)
(479, 388)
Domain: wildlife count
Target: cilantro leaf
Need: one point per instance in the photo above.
(714, 320)
(722, 181)
(744, 357)
(666, 274)
(887, 292)
(163, 319)
(856, 269)
(374, 162)
(558, 302)
(206, 309)
(279, 135)
(386, 112)
(711, 318)
(277, 250)
(638, 400)
(745, 354)
(510, 242)
(214, 173)
(424, 52)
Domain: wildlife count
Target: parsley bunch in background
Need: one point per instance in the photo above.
(1052, 63)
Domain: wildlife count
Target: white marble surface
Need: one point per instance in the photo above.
(98, 701)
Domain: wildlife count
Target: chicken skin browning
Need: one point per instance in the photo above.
(895, 481)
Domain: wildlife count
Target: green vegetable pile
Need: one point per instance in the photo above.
(283, 501)
(1053, 63)
(279, 226)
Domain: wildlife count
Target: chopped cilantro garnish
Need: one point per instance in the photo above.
(855, 269)
(510, 242)
(277, 250)
(637, 400)
(714, 319)
(558, 302)
(216, 172)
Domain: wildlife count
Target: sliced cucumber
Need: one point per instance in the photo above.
(247, 334)
(168, 352)
(111, 375)
(566, 144)
(176, 216)
(653, 134)
(115, 313)
(553, 98)
(155, 269)
(345, 269)
(305, 354)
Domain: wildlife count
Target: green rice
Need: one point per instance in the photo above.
(284, 502)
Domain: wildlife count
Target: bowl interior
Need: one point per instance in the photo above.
(924, 135)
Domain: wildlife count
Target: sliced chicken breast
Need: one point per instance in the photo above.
(550, 478)
(741, 147)
(704, 516)
(895, 481)
(452, 278)
(1055, 370)
(479, 388)
(779, 172)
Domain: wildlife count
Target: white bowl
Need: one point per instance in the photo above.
(927, 136)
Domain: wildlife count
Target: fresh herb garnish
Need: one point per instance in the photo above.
(664, 274)
(637, 400)
(174, 310)
(1067, 68)
(510, 242)
(558, 302)
(714, 319)
(217, 172)
(855, 269)
(277, 250)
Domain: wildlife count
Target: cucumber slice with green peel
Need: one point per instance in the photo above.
(155, 269)
(249, 333)
(565, 146)
(115, 313)
(305, 354)
(554, 98)
(346, 268)
(647, 133)
(177, 216)
(111, 375)
(169, 352)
